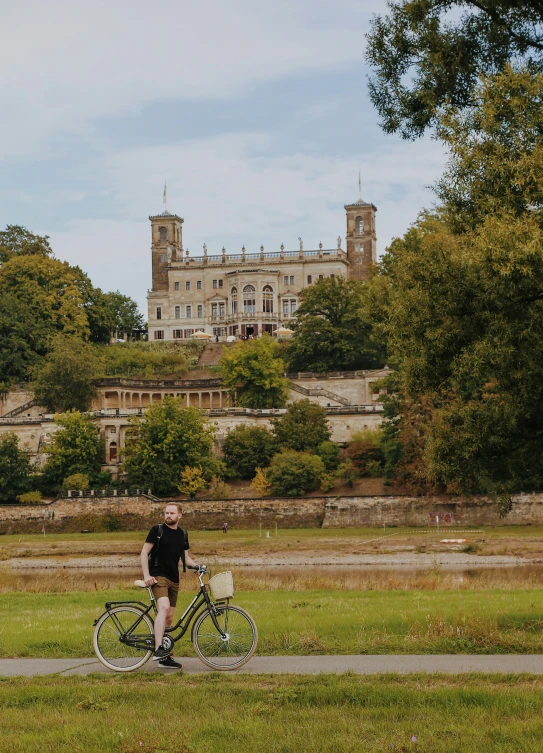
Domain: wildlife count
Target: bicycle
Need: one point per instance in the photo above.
(224, 636)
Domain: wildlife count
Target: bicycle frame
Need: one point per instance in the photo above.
(200, 600)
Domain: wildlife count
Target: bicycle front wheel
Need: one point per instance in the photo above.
(118, 644)
(235, 648)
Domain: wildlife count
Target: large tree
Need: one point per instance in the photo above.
(65, 379)
(460, 301)
(332, 332)
(124, 314)
(427, 55)
(247, 448)
(253, 372)
(160, 445)
(15, 468)
(76, 447)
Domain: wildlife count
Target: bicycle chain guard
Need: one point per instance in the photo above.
(167, 642)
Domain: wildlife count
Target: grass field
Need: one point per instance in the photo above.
(305, 622)
(282, 714)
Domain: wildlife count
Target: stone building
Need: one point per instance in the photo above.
(244, 293)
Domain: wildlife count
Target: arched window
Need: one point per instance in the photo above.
(359, 225)
(234, 300)
(249, 300)
(163, 234)
(267, 299)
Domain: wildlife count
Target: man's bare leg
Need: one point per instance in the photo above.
(161, 618)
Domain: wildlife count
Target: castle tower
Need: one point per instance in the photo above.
(361, 239)
(166, 245)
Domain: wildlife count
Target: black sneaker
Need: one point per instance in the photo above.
(170, 663)
(160, 653)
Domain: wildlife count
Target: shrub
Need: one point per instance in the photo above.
(303, 427)
(219, 489)
(76, 481)
(366, 456)
(294, 473)
(29, 498)
(247, 447)
(329, 453)
(327, 482)
(261, 483)
(111, 523)
(15, 468)
(348, 472)
(192, 481)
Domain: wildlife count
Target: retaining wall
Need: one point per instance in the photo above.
(135, 512)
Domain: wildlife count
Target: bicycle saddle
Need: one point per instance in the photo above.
(140, 583)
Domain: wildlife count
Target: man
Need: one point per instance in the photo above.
(163, 576)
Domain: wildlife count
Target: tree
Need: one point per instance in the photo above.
(15, 468)
(303, 427)
(124, 313)
(77, 482)
(332, 331)
(64, 380)
(75, 447)
(164, 442)
(329, 454)
(16, 240)
(246, 448)
(261, 483)
(23, 338)
(253, 372)
(426, 55)
(192, 481)
(292, 474)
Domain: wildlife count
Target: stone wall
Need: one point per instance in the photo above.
(137, 513)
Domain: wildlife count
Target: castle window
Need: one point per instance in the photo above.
(159, 312)
(178, 312)
(176, 285)
(249, 300)
(359, 222)
(309, 279)
(267, 300)
(285, 280)
(293, 306)
(198, 284)
(222, 309)
(292, 279)
(187, 285)
(189, 312)
(177, 334)
(163, 258)
(234, 300)
(214, 310)
(285, 306)
(159, 334)
(163, 234)
(200, 311)
(112, 452)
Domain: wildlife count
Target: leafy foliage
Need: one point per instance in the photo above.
(149, 359)
(76, 481)
(253, 372)
(303, 427)
(64, 380)
(332, 332)
(329, 454)
(30, 498)
(428, 54)
(261, 483)
(292, 474)
(162, 444)
(15, 468)
(247, 447)
(16, 240)
(219, 489)
(192, 481)
(75, 447)
(124, 314)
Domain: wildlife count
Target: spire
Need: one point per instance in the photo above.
(359, 185)
(164, 199)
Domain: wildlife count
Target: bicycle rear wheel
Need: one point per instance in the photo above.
(238, 645)
(118, 647)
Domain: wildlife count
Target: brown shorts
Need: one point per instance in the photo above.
(165, 587)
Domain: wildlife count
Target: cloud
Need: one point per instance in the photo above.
(73, 63)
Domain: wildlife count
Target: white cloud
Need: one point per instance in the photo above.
(69, 63)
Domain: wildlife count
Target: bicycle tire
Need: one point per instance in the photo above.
(232, 652)
(106, 640)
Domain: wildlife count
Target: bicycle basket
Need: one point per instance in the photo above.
(222, 586)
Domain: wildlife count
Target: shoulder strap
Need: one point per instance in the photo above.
(157, 542)
(185, 538)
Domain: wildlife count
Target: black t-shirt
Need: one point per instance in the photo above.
(171, 545)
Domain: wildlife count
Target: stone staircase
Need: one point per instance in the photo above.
(318, 392)
(20, 409)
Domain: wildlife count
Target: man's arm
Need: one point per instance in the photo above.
(144, 559)
(189, 561)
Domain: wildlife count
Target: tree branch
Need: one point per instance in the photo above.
(495, 16)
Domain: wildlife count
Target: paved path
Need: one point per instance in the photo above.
(300, 665)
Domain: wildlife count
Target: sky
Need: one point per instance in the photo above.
(256, 115)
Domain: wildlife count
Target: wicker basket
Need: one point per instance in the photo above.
(222, 586)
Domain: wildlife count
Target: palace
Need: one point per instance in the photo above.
(246, 293)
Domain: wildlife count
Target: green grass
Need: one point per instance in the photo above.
(304, 622)
(281, 714)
